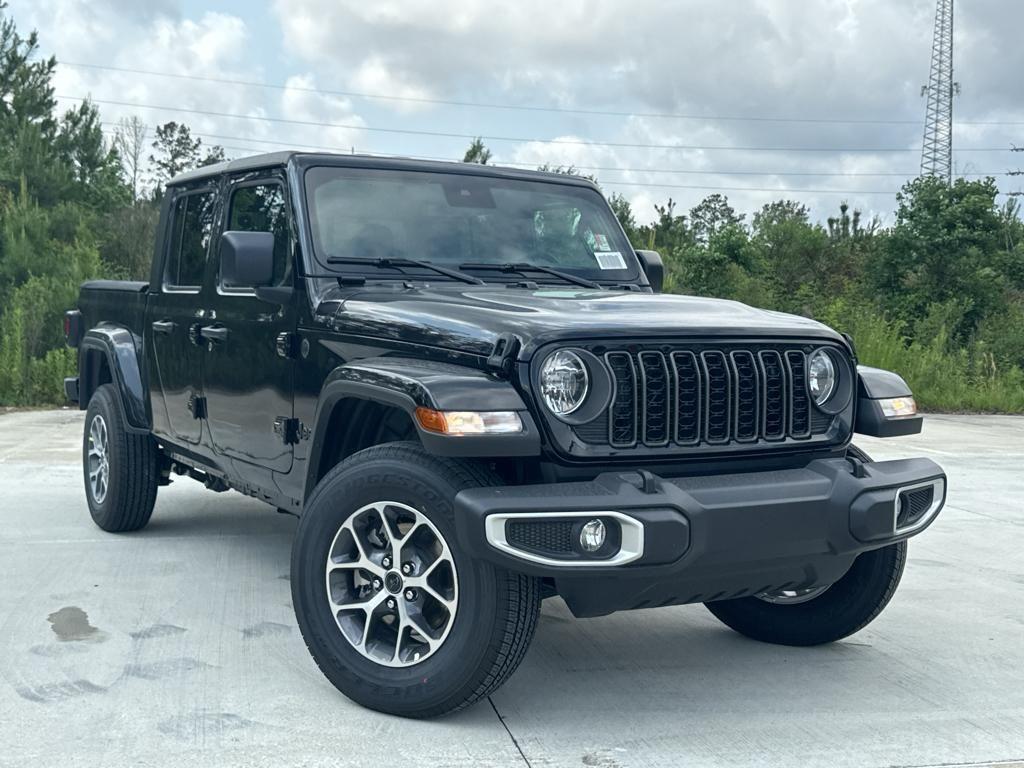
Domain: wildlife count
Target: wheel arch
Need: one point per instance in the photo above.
(109, 354)
(357, 395)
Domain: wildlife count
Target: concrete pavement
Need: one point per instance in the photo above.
(178, 644)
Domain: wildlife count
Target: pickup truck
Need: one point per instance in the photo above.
(467, 385)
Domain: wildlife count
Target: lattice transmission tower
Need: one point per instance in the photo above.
(937, 149)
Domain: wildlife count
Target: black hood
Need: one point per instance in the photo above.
(471, 318)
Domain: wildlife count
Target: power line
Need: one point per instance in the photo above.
(604, 182)
(520, 107)
(685, 171)
(517, 139)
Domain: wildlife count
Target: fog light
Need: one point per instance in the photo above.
(592, 536)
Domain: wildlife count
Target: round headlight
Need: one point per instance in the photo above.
(563, 382)
(821, 376)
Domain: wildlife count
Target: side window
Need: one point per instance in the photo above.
(261, 208)
(191, 229)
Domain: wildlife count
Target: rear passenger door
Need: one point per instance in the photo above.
(176, 311)
(247, 376)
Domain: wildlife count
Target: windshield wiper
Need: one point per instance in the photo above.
(403, 262)
(522, 267)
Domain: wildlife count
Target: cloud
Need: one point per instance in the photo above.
(836, 60)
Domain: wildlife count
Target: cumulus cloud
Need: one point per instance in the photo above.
(841, 62)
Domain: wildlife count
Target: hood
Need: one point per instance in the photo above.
(472, 318)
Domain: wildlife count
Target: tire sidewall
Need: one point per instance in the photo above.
(103, 405)
(453, 666)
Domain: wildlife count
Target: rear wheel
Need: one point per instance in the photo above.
(121, 468)
(397, 616)
(821, 614)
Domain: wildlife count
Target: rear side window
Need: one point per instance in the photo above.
(191, 230)
(261, 208)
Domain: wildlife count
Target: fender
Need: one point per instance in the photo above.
(874, 384)
(409, 384)
(120, 348)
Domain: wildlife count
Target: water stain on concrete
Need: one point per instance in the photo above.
(54, 692)
(201, 725)
(156, 670)
(56, 650)
(265, 629)
(600, 759)
(157, 630)
(71, 624)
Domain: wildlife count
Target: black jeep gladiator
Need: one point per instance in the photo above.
(465, 383)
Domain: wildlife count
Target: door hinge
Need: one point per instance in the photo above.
(288, 345)
(291, 431)
(197, 406)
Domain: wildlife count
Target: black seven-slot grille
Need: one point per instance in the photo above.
(705, 396)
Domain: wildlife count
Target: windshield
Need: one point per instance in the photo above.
(465, 222)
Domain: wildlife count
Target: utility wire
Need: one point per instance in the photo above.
(521, 107)
(516, 139)
(604, 182)
(287, 144)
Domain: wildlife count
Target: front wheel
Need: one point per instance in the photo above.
(821, 614)
(396, 615)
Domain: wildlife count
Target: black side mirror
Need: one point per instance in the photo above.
(654, 268)
(247, 259)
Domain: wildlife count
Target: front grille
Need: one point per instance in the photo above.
(706, 395)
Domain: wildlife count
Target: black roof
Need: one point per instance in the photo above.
(308, 159)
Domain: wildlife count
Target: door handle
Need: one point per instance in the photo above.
(163, 326)
(213, 333)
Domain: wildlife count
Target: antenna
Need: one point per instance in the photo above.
(937, 148)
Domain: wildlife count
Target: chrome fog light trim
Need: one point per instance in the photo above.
(938, 499)
(631, 546)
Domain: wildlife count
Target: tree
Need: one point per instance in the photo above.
(27, 123)
(94, 166)
(624, 213)
(130, 143)
(944, 248)
(477, 153)
(176, 152)
(711, 216)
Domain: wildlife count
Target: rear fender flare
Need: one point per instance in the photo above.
(121, 350)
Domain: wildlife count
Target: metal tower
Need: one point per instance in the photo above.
(937, 149)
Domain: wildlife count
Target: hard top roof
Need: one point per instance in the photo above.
(309, 159)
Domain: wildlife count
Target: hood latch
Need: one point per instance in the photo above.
(500, 361)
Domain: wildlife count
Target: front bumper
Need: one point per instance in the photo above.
(707, 538)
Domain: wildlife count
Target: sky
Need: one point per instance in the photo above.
(813, 100)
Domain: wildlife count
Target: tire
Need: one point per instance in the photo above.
(494, 612)
(125, 501)
(845, 607)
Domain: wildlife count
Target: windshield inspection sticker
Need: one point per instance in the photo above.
(600, 243)
(610, 260)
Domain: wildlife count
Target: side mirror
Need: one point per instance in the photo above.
(654, 268)
(247, 259)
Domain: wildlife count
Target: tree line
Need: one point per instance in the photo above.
(937, 295)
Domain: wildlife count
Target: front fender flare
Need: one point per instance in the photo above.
(409, 384)
(121, 349)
